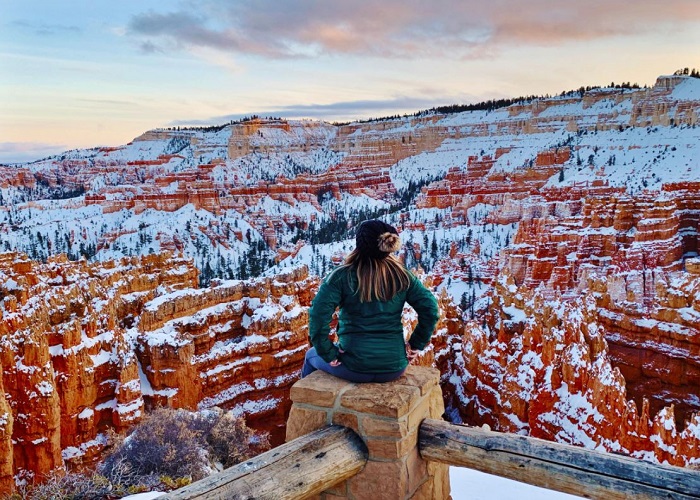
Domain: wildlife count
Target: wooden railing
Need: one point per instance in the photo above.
(554, 466)
(389, 444)
(311, 464)
(301, 468)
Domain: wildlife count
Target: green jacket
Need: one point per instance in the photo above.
(369, 333)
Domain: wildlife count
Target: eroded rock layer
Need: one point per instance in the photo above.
(591, 333)
(540, 364)
(85, 348)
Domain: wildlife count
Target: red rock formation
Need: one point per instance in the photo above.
(86, 347)
(595, 305)
(542, 366)
(237, 345)
(477, 183)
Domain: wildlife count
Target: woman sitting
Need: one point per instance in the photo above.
(370, 289)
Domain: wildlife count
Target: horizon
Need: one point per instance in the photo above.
(78, 77)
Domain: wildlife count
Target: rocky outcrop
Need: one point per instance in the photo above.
(592, 334)
(86, 348)
(237, 345)
(478, 183)
(69, 371)
(540, 364)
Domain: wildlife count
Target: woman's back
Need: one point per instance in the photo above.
(370, 289)
(371, 333)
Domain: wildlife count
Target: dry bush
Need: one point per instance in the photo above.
(167, 450)
(167, 442)
(170, 447)
(232, 441)
(71, 487)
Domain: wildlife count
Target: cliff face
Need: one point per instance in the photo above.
(85, 348)
(540, 364)
(237, 345)
(590, 334)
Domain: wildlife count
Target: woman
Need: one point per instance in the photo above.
(370, 289)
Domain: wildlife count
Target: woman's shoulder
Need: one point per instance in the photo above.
(337, 275)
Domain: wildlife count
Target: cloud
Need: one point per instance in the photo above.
(43, 29)
(343, 110)
(399, 28)
(20, 152)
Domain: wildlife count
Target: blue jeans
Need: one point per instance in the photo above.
(313, 362)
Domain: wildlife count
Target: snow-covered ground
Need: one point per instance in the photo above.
(470, 484)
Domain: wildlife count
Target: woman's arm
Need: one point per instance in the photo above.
(320, 315)
(425, 304)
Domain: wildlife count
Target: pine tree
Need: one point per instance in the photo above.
(463, 305)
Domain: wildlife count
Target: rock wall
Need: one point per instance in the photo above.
(86, 348)
(591, 334)
(540, 364)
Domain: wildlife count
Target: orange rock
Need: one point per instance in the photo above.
(70, 371)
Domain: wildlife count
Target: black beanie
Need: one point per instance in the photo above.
(376, 239)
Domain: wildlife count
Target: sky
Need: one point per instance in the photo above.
(77, 74)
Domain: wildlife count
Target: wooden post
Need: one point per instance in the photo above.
(555, 466)
(301, 468)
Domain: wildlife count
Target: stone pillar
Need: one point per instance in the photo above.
(386, 416)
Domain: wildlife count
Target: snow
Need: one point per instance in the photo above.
(10, 285)
(86, 413)
(516, 315)
(73, 452)
(470, 484)
(145, 496)
(45, 388)
(146, 387)
(688, 90)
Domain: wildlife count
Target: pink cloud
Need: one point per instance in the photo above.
(406, 28)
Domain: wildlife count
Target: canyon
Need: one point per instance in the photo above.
(560, 235)
(86, 349)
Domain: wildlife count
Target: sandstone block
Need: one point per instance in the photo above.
(346, 420)
(437, 403)
(379, 481)
(332, 496)
(440, 477)
(389, 400)
(416, 470)
(337, 491)
(425, 491)
(386, 449)
(376, 427)
(423, 377)
(302, 421)
(419, 413)
(319, 389)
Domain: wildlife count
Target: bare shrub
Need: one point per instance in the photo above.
(72, 487)
(165, 443)
(172, 447)
(167, 450)
(232, 441)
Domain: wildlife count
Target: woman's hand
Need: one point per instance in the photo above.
(336, 362)
(410, 353)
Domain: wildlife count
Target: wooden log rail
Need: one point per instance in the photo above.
(303, 467)
(565, 468)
